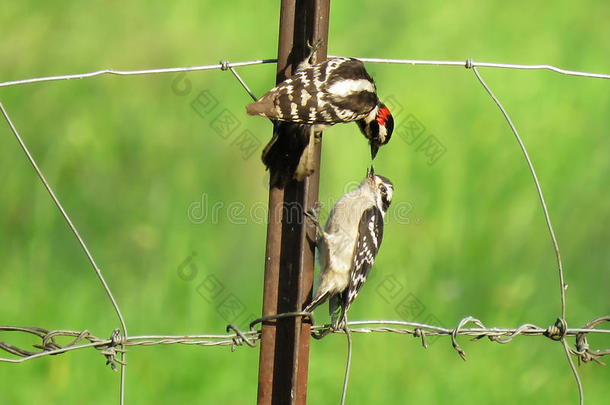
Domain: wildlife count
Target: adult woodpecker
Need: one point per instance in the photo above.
(316, 97)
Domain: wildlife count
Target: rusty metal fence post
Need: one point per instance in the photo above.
(289, 257)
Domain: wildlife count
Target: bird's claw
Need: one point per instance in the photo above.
(308, 61)
(312, 214)
(313, 48)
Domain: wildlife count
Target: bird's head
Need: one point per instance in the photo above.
(382, 187)
(377, 127)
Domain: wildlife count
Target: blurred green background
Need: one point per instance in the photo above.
(149, 182)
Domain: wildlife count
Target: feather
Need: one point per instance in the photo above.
(370, 234)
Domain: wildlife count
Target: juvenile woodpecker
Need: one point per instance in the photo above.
(349, 243)
(318, 96)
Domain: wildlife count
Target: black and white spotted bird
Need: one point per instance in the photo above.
(316, 97)
(349, 243)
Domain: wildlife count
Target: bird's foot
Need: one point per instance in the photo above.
(308, 61)
(313, 214)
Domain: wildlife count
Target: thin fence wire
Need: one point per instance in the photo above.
(471, 63)
(80, 240)
(548, 224)
(117, 343)
(348, 362)
(224, 65)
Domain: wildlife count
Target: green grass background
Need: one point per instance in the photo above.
(128, 157)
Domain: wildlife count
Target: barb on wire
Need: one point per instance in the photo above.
(455, 332)
(49, 345)
(240, 337)
(584, 353)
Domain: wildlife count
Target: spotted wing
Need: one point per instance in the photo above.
(333, 91)
(370, 234)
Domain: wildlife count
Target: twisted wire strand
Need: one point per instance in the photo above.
(249, 337)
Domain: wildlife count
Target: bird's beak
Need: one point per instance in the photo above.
(374, 150)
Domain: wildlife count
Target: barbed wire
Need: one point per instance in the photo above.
(111, 346)
(116, 344)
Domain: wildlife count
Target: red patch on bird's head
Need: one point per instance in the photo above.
(382, 115)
